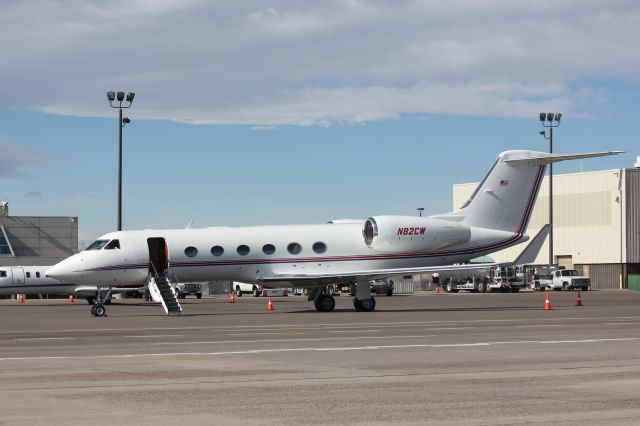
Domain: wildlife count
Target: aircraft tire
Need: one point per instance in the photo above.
(99, 310)
(325, 303)
(238, 292)
(93, 310)
(368, 305)
(357, 305)
(256, 292)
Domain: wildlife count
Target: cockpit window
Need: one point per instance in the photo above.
(97, 244)
(114, 244)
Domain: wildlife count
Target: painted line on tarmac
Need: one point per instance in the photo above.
(28, 339)
(146, 336)
(334, 349)
(302, 339)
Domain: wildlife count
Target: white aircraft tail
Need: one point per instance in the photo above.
(505, 198)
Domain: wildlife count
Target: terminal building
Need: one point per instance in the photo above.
(596, 225)
(36, 240)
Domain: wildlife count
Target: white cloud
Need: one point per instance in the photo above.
(317, 62)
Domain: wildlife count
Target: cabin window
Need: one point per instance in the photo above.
(217, 250)
(243, 250)
(97, 244)
(3, 274)
(28, 274)
(191, 251)
(294, 248)
(114, 244)
(37, 274)
(268, 249)
(319, 247)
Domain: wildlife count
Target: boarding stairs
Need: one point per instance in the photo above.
(161, 291)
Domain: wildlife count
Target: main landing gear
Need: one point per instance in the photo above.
(322, 300)
(325, 302)
(102, 296)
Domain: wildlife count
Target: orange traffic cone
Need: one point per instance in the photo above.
(233, 297)
(71, 298)
(547, 303)
(579, 301)
(270, 305)
(21, 298)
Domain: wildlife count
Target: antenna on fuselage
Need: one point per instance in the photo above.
(189, 224)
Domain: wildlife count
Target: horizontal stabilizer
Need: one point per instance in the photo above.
(542, 158)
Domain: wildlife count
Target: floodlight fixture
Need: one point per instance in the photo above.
(542, 132)
(549, 114)
(125, 120)
(558, 116)
(111, 95)
(130, 96)
(543, 116)
(120, 96)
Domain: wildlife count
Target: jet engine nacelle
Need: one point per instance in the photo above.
(413, 234)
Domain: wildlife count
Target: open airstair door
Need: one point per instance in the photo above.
(159, 285)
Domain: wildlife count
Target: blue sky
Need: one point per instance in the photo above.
(282, 112)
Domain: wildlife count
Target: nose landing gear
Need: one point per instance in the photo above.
(102, 295)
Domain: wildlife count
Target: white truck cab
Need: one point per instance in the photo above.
(569, 279)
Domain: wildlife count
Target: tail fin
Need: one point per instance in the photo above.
(504, 199)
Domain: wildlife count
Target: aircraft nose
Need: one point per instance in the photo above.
(63, 271)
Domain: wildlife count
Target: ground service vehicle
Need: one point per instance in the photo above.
(382, 287)
(241, 288)
(505, 279)
(189, 289)
(569, 279)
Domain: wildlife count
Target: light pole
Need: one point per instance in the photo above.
(420, 210)
(550, 120)
(119, 99)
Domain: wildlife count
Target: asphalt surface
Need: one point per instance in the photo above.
(432, 359)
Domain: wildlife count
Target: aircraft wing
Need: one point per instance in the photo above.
(528, 255)
(90, 290)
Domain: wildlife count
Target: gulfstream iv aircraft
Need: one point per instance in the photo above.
(495, 217)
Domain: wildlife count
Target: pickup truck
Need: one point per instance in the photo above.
(185, 289)
(569, 279)
(241, 288)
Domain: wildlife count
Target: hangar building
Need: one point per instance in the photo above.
(36, 240)
(596, 221)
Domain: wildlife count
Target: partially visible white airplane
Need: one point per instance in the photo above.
(31, 280)
(495, 217)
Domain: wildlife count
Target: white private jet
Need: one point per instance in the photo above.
(495, 217)
(31, 280)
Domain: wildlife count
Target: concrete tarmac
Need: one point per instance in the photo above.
(443, 359)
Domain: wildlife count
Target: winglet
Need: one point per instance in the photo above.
(532, 249)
